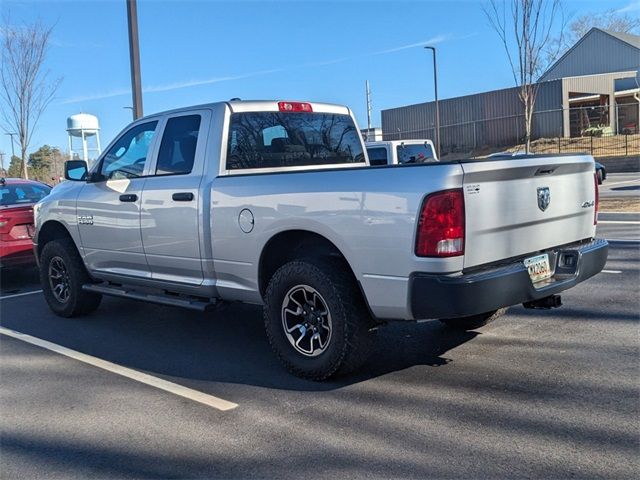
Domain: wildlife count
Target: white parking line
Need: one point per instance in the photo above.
(195, 395)
(619, 222)
(20, 294)
(617, 213)
(611, 271)
(620, 183)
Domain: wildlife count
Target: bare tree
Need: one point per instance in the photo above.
(25, 87)
(526, 29)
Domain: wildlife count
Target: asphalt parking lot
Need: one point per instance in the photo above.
(537, 394)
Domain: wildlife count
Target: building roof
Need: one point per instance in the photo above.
(633, 40)
(628, 39)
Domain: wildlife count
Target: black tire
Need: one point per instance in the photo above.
(600, 177)
(474, 321)
(77, 301)
(351, 337)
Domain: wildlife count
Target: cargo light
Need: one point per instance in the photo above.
(441, 225)
(294, 107)
(597, 199)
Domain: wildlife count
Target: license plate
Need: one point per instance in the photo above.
(538, 267)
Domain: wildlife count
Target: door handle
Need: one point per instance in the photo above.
(128, 197)
(182, 196)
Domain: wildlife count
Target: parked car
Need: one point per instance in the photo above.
(400, 152)
(601, 172)
(17, 197)
(274, 203)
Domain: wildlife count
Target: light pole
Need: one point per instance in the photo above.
(435, 87)
(132, 112)
(134, 58)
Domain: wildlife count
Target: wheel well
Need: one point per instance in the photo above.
(289, 245)
(51, 230)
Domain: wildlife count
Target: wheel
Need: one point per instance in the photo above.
(600, 177)
(316, 320)
(62, 274)
(474, 321)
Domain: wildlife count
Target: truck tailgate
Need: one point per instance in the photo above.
(505, 217)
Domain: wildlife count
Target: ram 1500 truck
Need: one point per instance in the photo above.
(275, 203)
(399, 152)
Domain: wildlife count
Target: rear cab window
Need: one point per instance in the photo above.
(275, 140)
(416, 153)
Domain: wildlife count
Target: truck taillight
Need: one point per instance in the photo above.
(597, 199)
(294, 107)
(441, 225)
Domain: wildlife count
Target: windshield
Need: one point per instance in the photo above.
(276, 139)
(419, 153)
(22, 193)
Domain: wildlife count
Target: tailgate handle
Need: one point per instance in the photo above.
(182, 197)
(128, 197)
(545, 171)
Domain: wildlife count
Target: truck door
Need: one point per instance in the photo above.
(108, 207)
(171, 202)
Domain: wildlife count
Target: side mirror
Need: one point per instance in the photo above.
(75, 170)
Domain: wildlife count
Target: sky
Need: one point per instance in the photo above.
(195, 52)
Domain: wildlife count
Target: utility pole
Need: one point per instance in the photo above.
(2, 160)
(134, 57)
(368, 93)
(13, 153)
(435, 87)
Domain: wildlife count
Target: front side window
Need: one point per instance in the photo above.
(377, 156)
(126, 158)
(420, 153)
(280, 139)
(178, 146)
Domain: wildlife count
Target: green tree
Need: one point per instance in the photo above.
(45, 163)
(15, 167)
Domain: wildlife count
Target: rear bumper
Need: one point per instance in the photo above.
(439, 296)
(16, 253)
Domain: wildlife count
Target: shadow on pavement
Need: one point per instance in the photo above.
(17, 280)
(228, 345)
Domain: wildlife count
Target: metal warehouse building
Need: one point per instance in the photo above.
(594, 82)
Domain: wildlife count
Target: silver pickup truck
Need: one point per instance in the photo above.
(275, 203)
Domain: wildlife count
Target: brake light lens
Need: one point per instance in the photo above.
(294, 107)
(597, 199)
(441, 225)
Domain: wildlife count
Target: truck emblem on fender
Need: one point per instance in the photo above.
(85, 219)
(544, 198)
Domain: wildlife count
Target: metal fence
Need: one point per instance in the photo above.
(588, 128)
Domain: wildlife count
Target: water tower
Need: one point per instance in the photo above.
(85, 127)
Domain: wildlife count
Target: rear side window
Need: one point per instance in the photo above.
(377, 156)
(277, 139)
(178, 146)
(22, 193)
(415, 153)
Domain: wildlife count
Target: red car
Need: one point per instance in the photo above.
(17, 197)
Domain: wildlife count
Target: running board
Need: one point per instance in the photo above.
(177, 301)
